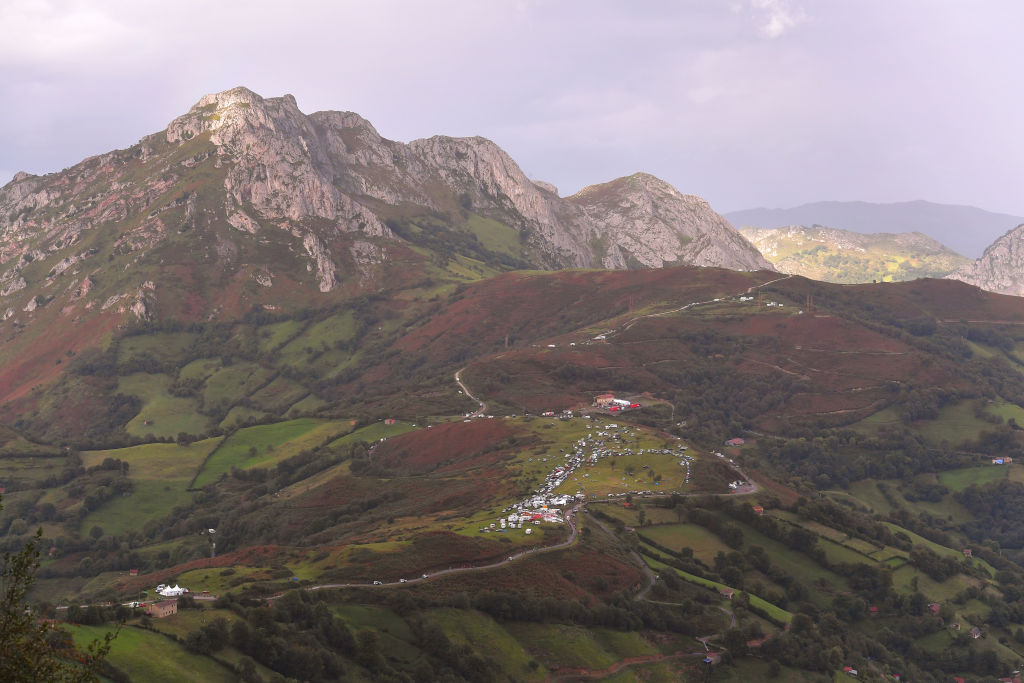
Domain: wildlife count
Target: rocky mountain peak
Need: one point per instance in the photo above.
(1001, 268)
(218, 110)
(655, 224)
(243, 197)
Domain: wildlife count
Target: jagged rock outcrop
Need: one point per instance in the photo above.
(243, 184)
(1001, 268)
(846, 257)
(648, 222)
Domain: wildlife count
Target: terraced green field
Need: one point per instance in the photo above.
(1006, 410)
(162, 414)
(955, 423)
(483, 634)
(264, 445)
(160, 475)
(958, 480)
(804, 569)
(274, 335)
(199, 369)
(777, 613)
(162, 346)
(234, 382)
(157, 460)
(153, 657)
(278, 395)
(836, 552)
(575, 646)
(374, 432)
(240, 415)
(704, 543)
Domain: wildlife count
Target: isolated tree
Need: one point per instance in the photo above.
(31, 650)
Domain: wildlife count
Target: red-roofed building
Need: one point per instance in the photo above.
(758, 510)
(735, 442)
(873, 611)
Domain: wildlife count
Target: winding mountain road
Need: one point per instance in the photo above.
(465, 390)
(631, 322)
(570, 520)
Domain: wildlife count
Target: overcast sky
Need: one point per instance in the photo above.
(746, 102)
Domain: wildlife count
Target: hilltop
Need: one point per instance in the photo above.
(966, 230)
(849, 257)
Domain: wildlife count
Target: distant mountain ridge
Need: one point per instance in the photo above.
(965, 229)
(846, 257)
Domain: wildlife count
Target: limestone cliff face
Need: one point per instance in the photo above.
(646, 221)
(1001, 268)
(250, 189)
(278, 162)
(287, 165)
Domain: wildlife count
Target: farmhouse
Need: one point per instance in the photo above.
(164, 608)
(968, 553)
(735, 442)
(759, 510)
(726, 593)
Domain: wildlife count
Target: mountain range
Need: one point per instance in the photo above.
(247, 202)
(964, 229)
(394, 411)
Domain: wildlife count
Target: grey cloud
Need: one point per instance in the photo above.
(762, 102)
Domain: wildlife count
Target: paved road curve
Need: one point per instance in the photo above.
(570, 519)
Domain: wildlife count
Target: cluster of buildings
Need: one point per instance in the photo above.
(614, 405)
(601, 441)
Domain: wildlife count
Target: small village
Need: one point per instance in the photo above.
(601, 441)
